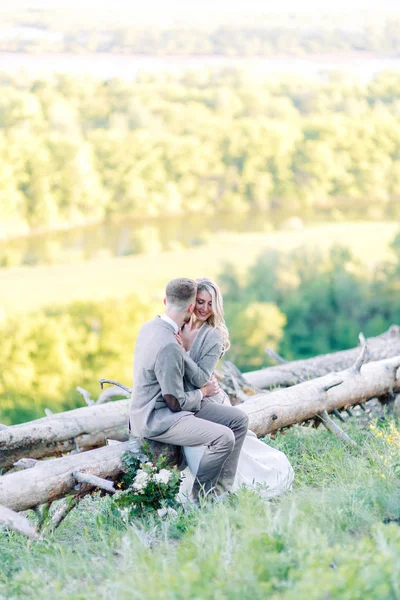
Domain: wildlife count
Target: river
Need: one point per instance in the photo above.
(360, 66)
(129, 236)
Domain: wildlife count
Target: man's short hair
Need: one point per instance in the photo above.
(181, 292)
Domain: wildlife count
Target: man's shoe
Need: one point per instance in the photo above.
(191, 504)
(221, 497)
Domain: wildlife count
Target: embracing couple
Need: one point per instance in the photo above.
(175, 399)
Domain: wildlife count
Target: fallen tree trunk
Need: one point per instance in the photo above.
(272, 411)
(380, 347)
(51, 479)
(77, 474)
(79, 429)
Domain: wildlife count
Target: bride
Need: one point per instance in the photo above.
(205, 338)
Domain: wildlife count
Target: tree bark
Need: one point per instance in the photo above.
(271, 411)
(49, 480)
(85, 428)
(383, 346)
(77, 474)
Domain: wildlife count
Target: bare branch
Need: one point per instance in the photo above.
(362, 339)
(361, 359)
(275, 356)
(86, 395)
(111, 392)
(335, 429)
(64, 509)
(17, 522)
(229, 368)
(238, 392)
(112, 382)
(338, 415)
(94, 481)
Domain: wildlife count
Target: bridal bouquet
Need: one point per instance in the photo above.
(146, 486)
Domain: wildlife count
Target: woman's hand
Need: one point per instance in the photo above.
(187, 335)
(178, 338)
(210, 389)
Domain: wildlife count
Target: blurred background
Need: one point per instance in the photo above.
(254, 145)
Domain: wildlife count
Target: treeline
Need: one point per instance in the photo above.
(78, 149)
(303, 304)
(300, 304)
(55, 31)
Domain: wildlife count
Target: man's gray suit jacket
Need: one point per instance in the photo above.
(159, 366)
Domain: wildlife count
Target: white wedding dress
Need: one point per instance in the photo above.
(261, 467)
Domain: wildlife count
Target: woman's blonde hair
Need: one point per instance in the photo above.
(217, 319)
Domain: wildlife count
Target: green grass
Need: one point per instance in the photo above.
(335, 535)
(26, 289)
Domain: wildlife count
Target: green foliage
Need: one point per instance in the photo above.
(44, 356)
(311, 303)
(146, 486)
(334, 535)
(253, 327)
(78, 150)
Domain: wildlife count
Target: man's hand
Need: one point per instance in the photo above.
(211, 388)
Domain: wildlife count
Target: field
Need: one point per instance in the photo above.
(335, 535)
(26, 289)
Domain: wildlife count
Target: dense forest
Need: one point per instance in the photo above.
(79, 149)
(241, 35)
(301, 304)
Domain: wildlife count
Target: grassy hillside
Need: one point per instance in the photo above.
(335, 535)
(25, 289)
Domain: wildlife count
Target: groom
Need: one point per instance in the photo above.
(161, 410)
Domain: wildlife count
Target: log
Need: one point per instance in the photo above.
(87, 427)
(380, 347)
(76, 474)
(270, 412)
(52, 479)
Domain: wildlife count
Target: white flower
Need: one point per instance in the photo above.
(140, 480)
(163, 476)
